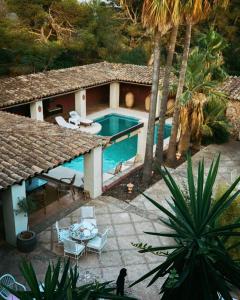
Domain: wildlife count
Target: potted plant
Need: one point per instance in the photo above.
(129, 100)
(26, 240)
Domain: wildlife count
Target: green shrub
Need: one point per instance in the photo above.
(215, 128)
(230, 215)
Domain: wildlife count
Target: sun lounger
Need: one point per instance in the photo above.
(117, 169)
(76, 119)
(61, 122)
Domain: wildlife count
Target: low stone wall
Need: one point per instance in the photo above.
(233, 114)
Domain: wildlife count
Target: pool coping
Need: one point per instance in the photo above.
(130, 166)
(125, 131)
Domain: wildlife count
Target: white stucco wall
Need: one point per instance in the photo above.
(13, 223)
(80, 103)
(142, 138)
(36, 111)
(114, 95)
(93, 172)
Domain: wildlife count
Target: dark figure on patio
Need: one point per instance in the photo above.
(120, 282)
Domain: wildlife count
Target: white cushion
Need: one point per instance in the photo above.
(95, 243)
(79, 248)
(72, 247)
(63, 234)
(89, 220)
(87, 212)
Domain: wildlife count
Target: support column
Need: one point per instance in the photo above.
(13, 223)
(93, 172)
(142, 139)
(36, 110)
(158, 103)
(114, 95)
(80, 103)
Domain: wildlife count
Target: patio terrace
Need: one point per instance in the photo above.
(126, 221)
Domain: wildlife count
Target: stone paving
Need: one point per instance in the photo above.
(125, 227)
(229, 169)
(126, 222)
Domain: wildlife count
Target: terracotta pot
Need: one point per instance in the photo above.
(129, 100)
(170, 105)
(26, 241)
(147, 103)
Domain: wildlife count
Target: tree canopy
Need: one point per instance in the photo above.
(38, 35)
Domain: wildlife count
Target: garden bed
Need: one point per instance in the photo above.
(120, 190)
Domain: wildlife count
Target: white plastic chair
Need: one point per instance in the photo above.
(62, 233)
(72, 248)
(76, 119)
(117, 169)
(61, 122)
(87, 214)
(97, 244)
(9, 281)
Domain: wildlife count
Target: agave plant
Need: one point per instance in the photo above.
(197, 265)
(61, 283)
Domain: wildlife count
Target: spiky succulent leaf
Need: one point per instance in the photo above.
(198, 263)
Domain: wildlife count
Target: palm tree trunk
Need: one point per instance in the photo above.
(148, 160)
(165, 92)
(185, 132)
(171, 155)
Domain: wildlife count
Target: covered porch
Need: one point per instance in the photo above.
(30, 150)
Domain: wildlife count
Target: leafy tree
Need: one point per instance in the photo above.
(51, 34)
(197, 265)
(227, 23)
(136, 56)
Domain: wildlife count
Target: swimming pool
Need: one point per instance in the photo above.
(112, 125)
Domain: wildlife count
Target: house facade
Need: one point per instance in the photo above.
(231, 87)
(86, 89)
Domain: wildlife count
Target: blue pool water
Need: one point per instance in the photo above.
(167, 132)
(112, 124)
(117, 152)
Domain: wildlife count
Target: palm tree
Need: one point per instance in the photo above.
(165, 93)
(197, 263)
(173, 138)
(156, 15)
(194, 11)
(215, 127)
(202, 78)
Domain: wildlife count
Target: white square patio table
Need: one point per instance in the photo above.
(83, 232)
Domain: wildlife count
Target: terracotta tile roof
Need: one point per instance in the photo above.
(29, 147)
(231, 86)
(27, 88)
